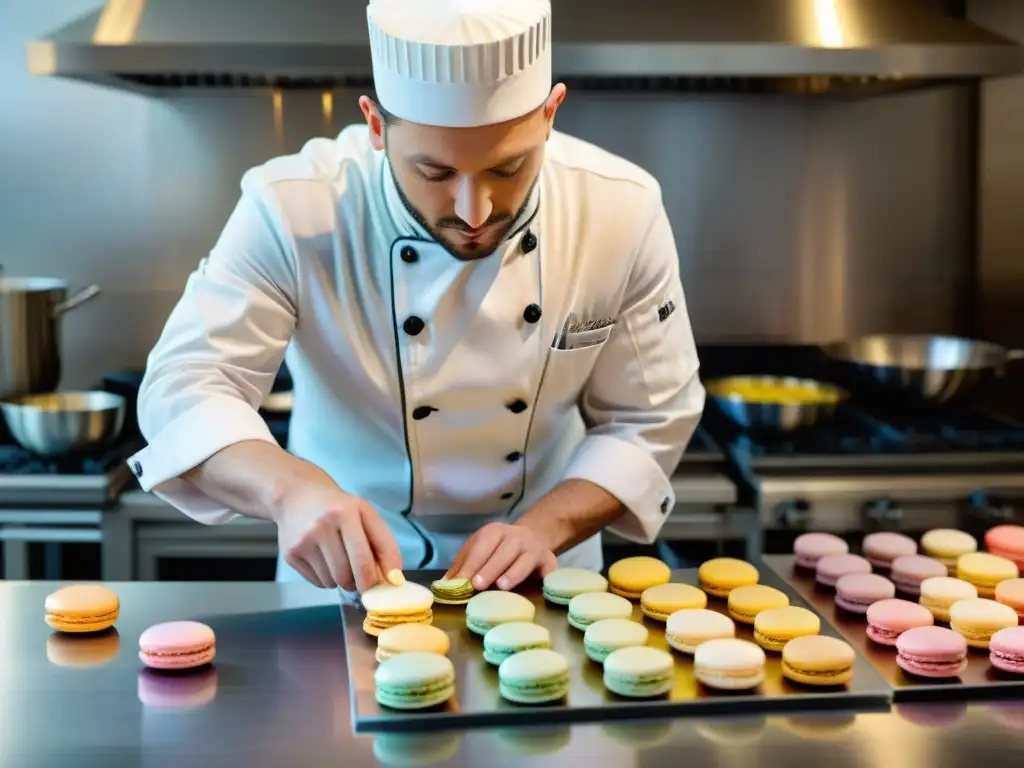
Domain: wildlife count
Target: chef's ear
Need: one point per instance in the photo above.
(555, 99)
(374, 121)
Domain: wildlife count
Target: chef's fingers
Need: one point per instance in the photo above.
(507, 552)
(305, 570)
(360, 556)
(519, 571)
(548, 563)
(333, 552)
(479, 549)
(315, 560)
(389, 558)
(460, 558)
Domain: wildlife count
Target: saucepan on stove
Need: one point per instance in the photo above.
(777, 403)
(937, 368)
(64, 423)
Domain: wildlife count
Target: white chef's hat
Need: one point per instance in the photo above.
(460, 63)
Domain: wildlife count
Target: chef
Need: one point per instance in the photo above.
(483, 318)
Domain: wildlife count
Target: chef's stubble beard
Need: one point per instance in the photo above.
(447, 244)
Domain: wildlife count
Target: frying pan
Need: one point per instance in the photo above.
(774, 403)
(937, 368)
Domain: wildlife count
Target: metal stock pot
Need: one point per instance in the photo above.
(30, 311)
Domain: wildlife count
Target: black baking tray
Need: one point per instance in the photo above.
(478, 704)
(979, 681)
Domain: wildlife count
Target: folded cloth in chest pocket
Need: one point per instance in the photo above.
(591, 338)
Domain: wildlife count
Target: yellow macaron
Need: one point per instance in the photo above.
(745, 603)
(82, 608)
(629, 577)
(775, 627)
(411, 638)
(947, 545)
(985, 571)
(661, 601)
(720, 576)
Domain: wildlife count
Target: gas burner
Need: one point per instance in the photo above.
(15, 460)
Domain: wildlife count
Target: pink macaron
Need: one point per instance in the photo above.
(931, 652)
(855, 592)
(1007, 541)
(1006, 650)
(908, 571)
(809, 548)
(833, 567)
(884, 547)
(177, 645)
(888, 619)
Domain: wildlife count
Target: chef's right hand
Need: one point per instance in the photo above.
(335, 540)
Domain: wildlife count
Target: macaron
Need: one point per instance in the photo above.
(908, 571)
(833, 567)
(456, 591)
(411, 638)
(931, 652)
(855, 592)
(774, 628)
(977, 620)
(630, 576)
(1006, 541)
(729, 664)
(1011, 593)
(940, 592)
(687, 629)
(563, 584)
(746, 602)
(818, 660)
(537, 676)
(720, 576)
(514, 637)
(888, 619)
(177, 645)
(414, 681)
(82, 608)
(661, 601)
(608, 635)
(1006, 650)
(885, 546)
(387, 605)
(487, 610)
(640, 672)
(589, 607)
(809, 548)
(946, 545)
(985, 571)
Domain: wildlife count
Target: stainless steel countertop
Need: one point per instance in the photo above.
(278, 695)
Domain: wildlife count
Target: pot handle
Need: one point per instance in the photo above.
(79, 298)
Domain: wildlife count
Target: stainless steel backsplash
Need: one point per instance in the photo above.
(796, 221)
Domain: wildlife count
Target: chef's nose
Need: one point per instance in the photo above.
(473, 203)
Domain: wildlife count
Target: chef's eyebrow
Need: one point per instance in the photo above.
(430, 162)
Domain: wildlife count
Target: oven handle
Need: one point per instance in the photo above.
(906, 488)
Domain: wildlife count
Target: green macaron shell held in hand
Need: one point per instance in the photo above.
(563, 584)
(538, 676)
(514, 637)
(414, 681)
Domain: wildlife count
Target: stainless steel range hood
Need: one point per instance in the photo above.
(804, 46)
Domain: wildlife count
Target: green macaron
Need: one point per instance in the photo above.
(514, 637)
(452, 591)
(639, 672)
(589, 607)
(537, 676)
(414, 681)
(603, 637)
(563, 584)
(487, 610)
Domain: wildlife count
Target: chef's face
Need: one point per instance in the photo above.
(466, 186)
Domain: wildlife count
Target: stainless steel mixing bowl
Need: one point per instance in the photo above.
(64, 422)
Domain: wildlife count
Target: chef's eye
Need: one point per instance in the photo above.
(508, 171)
(436, 174)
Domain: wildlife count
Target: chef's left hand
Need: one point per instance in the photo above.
(504, 555)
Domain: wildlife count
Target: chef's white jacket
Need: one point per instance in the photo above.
(429, 386)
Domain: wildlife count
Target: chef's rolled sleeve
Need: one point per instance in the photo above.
(219, 354)
(644, 397)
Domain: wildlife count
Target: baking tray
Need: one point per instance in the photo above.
(979, 681)
(477, 702)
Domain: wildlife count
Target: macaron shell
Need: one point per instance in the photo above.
(82, 608)
(985, 571)
(687, 629)
(659, 602)
(488, 609)
(746, 602)
(719, 576)
(536, 676)
(456, 591)
(946, 545)
(809, 548)
(1006, 650)
(414, 681)
(411, 638)
(885, 546)
(908, 571)
(1011, 593)
(729, 664)
(603, 637)
(939, 593)
(589, 607)
(888, 619)
(391, 600)
(775, 627)
(563, 584)
(639, 672)
(514, 637)
(833, 567)
(177, 645)
(933, 652)
(855, 592)
(977, 620)
(630, 576)
(1007, 541)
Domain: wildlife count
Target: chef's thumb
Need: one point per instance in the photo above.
(382, 541)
